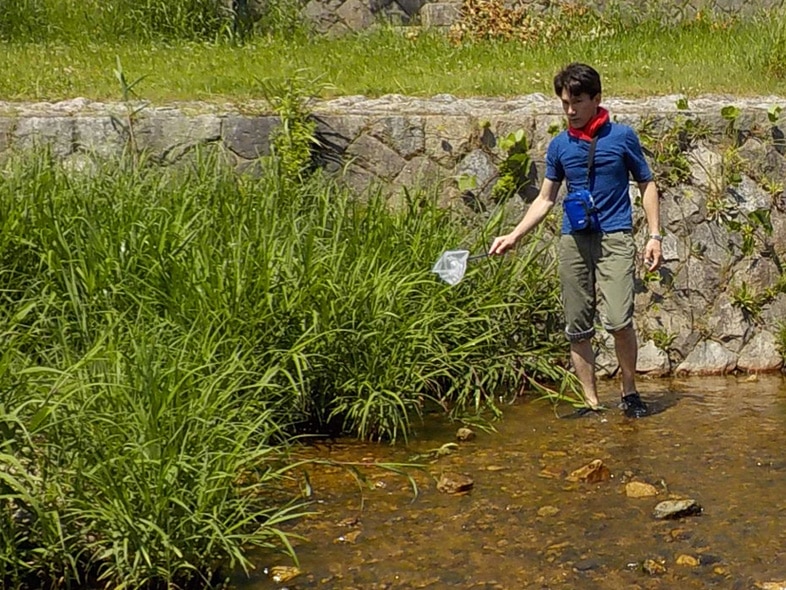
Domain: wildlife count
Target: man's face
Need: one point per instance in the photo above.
(579, 109)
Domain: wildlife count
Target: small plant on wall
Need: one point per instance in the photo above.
(514, 171)
(668, 149)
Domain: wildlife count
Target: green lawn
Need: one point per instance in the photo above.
(742, 58)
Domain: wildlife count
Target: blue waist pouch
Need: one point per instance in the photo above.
(579, 208)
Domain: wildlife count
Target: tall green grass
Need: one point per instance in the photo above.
(165, 333)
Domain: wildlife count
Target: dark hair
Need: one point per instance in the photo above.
(577, 78)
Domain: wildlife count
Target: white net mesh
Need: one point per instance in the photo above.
(451, 266)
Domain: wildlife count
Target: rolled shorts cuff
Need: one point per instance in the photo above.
(579, 336)
(612, 329)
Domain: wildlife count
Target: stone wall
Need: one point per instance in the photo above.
(715, 307)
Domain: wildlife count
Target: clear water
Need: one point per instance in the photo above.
(721, 441)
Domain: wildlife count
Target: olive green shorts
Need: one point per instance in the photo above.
(596, 259)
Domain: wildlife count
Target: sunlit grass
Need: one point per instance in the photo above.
(647, 60)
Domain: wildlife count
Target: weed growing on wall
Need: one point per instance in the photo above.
(514, 170)
(294, 139)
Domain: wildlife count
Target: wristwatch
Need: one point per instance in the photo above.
(656, 237)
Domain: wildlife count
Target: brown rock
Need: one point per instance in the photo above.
(465, 434)
(454, 483)
(687, 560)
(551, 473)
(639, 489)
(548, 511)
(593, 472)
(283, 573)
(653, 567)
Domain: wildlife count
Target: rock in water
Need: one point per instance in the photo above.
(455, 483)
(677, 509)
(640, 489)
(593, 472)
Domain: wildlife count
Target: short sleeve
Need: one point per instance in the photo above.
(554, 169)
(634, 157)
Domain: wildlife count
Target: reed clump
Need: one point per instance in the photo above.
(166, 333)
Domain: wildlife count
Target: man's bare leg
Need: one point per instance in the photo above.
(583, 357)
(627, 350)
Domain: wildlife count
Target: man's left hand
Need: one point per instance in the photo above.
(653, 255)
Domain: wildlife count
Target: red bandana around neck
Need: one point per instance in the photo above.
(592, 127)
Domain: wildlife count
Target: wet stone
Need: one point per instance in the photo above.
(677, 509)
(283, 573)
(594, 472)
(677, 535)
(465, 434)
(545, 511)
(350, 538)
(551, 473)
(687, 560)
(586, 565)
(455, 483)
(640, 489)
(653, 567)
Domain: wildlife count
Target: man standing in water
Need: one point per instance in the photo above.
(597, 155)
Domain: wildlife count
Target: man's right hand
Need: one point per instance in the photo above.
(502, 244)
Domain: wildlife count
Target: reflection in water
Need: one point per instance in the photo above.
(720, 441)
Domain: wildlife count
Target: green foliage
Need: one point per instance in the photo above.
(669, 147)
(294, 139)
(745, 298)
(771, 55)
(514, 170)
(89, 20)
(774, 113)
(282, 18)
(663, 339)
(165, 331)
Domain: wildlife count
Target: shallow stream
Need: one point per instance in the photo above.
(720, 441)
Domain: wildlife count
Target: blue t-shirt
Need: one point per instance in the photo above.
(617, 155)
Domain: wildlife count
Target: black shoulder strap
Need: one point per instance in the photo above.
(591, 159)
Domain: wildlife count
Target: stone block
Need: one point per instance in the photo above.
(372, 154)
(652, 360)
(708, 358)
(249, 137)
(104, 136)
(406, 135)
(6, 129)
(356, 15)
(439, 14)
(52, 133)
(760, 354)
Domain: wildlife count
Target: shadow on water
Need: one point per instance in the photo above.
(719, 441)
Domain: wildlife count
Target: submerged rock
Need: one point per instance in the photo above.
(283, 573)
(465, 434)
(454, 483)
(677, 509)
(545, 511)
(639, 489)
(595, 471)
(654, 567)
(688, 560)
